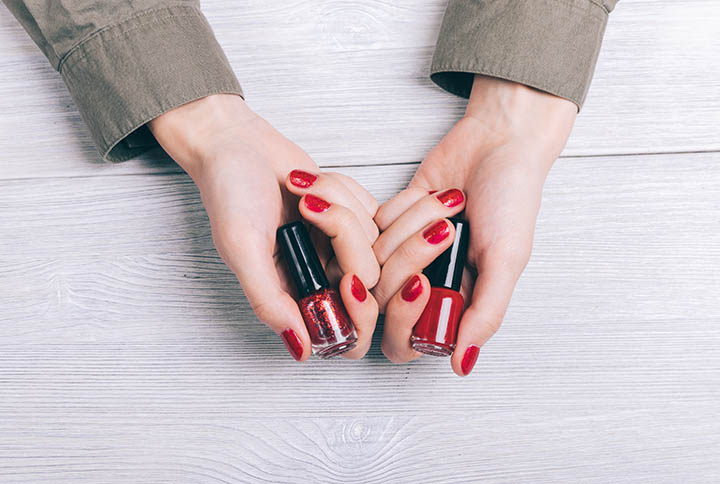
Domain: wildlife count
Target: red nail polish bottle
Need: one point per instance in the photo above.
(331, 329)
(436, 330)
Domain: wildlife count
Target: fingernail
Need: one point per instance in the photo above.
(302, 179)
(432, 191)
(469, 359)
(413, 288)
(293, 343)
(451, 198)
(358, 289)
(316, 204)
(437, 232)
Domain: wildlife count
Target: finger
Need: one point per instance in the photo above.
(430, 207)
(329, 188)
(368, 201)
(413, 256)
(403, 311)
(363, 311)
(397, 205)
(250, 257)
(483, 317)
(352, 249)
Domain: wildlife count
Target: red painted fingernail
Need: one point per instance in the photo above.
(413, 288)
(316, 204)
(437, 232)
(451, 198)
(432, 191)
(469, 359)
(293, 343)
(358, 289)
(302, 179)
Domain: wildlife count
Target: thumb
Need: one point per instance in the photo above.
(483, 317)
(250, 257)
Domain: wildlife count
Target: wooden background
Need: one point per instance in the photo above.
(129, 354)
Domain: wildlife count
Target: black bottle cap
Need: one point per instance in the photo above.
(301, 258)
(447, 270)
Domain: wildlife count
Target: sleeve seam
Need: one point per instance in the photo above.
(598, 4)
(573, 4)
(507, 75)
(81, 45)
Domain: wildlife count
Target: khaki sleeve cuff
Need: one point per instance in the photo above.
(127, 74)
(551, 45)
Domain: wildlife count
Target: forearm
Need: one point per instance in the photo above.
(126, 63)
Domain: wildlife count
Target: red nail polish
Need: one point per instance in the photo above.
(432, 191)
(437, 232)
(451, 198)
(293, 343)
(302, 179)
(316, 204)
(412, 289)
(469, 359)
(435, 332)
(358, 289)
(328, 323)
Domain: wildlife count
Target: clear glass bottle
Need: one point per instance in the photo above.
(331, 330)
(435, 332)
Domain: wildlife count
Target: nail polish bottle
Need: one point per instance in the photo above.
(435, 332)
(331, 329)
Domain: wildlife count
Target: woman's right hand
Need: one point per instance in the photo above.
(250, 177)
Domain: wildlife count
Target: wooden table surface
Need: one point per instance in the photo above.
(128, 352)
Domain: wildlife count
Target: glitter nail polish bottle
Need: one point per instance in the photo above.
(331, 329)
(435, 332)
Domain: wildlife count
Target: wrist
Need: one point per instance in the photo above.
(192, 132)
(511, 113)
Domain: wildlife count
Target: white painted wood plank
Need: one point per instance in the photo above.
(525, 446)
(347, 80)
(128, 353)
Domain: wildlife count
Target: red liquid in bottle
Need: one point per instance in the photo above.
(435, 332)
(328, 323)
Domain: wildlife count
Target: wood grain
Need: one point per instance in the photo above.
(522, 446)
(128, 353)
(347, 81)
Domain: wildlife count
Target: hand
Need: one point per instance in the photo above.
(250, 178)
(499, 154)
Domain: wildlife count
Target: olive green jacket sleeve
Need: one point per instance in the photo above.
(551, 45)
(126, 62)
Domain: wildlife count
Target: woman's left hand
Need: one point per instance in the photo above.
(493, 163)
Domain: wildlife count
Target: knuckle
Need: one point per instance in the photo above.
(508, 256)
(517, 256)
(333, 176)
(390, 354)
(263, 310)
(373, 206)
(371, 275)
(345, 220)
(358, 353)
(380, 250)
(494, 320)
(374, 232)
(410, 249)
(381, 217)
(332, 182)
(379, 293)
